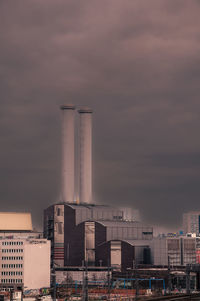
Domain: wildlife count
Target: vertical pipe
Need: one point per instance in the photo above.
(150, 284)
(164, 287)
(85, 189)
(67, 167)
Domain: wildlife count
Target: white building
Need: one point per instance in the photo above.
(25, 263)
(24, 256)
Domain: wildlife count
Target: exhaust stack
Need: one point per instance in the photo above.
(67, 167)
(85, 188)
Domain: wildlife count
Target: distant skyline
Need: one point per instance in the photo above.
(137, 65)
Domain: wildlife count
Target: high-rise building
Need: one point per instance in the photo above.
(191, 222)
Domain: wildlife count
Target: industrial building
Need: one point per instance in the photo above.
(178, 250)
(77, 231)
(123, 254)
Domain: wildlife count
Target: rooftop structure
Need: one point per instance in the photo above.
(14, 221)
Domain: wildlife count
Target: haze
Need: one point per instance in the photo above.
(137, 64)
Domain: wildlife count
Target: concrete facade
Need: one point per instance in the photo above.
(79, 229)
(24, 263)
(179, 250)
(67, 163)
(85, 184)
(191, 222)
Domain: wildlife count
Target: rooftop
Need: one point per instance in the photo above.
(15, 221)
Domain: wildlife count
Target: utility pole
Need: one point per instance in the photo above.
(188, 279)
(136, 280)
(54, 282)
(169, 276)
(85, 284)
(83, 277)
(108, 280)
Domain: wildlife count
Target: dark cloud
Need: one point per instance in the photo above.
(136, 63)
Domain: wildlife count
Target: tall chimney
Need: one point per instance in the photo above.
(85, 188)
(67, 177)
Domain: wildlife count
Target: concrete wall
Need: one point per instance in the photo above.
(59, 235)
(64, 277)
(36, 264)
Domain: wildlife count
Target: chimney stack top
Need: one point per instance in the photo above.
(67, 107)
(85, 110)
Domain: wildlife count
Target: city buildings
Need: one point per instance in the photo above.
(176, 251)
(191, 222)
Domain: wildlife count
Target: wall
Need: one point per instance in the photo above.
(36, 264)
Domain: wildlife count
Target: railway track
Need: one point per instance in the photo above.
(176, 297)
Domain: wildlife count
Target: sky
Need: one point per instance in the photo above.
(137, 65)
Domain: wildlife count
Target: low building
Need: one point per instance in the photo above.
(178, 250)
(67, 275)
(76, 230)
(122, 255)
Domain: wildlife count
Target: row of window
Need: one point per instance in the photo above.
(12, 250)
(11, 280)
(12, 243)
(17, 273)
(12, 257)
(5, 265)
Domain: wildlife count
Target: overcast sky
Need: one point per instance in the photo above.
(136, 63)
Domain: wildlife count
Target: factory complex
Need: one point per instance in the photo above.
(84, 243)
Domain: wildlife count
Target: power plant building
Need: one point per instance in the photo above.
(77, 230)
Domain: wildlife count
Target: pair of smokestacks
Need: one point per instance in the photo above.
(68, 154)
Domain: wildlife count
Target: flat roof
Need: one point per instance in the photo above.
(122, 223)
(15, 221)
